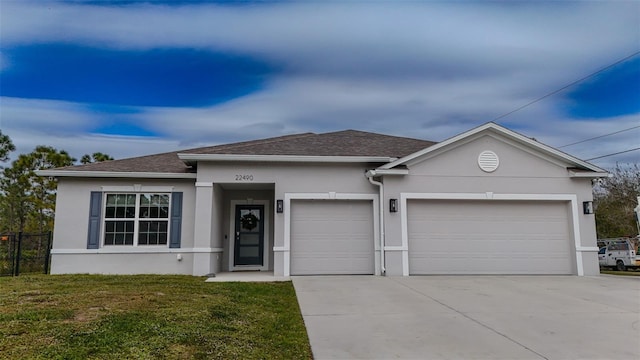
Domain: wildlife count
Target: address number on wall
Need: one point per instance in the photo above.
(244, 177)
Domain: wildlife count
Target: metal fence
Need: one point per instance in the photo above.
(24, 253)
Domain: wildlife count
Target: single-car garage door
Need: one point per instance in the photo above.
(332, 237)
(489, 237)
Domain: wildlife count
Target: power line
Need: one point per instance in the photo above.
(618, 153)
(598, 137)
(568, 86)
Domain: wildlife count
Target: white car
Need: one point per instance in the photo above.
(619, 255)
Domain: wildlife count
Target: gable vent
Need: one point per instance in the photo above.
(488, 161)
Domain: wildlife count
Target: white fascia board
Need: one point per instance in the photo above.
(380, 172)
(504, 131)
(589, 175)
(284, 158)
(115, 174)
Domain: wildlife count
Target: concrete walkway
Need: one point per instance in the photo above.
(471, 317)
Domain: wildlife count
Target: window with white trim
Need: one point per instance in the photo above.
(136, 219)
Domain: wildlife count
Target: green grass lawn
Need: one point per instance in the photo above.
(148, 317)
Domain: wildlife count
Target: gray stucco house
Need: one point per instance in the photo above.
(488, 201)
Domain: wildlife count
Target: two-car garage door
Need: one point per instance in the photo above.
(332, 237)
(489, 237)
(444, 237)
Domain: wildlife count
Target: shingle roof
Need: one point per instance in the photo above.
(341, 143)
(158, 163)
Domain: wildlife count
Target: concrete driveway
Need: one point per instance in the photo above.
(471, 317)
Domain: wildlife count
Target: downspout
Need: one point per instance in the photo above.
(370, 174)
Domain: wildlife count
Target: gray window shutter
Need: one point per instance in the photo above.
(176, 220)
(95, 205)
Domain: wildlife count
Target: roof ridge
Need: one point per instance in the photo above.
(339, 143)
(375, 133)
(254, 142)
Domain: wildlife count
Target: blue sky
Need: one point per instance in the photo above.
(156, 77)
(614, 92)
(130, 78)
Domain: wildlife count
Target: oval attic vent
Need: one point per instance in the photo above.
(488, 161)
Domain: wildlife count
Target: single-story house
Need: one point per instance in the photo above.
(487, 201)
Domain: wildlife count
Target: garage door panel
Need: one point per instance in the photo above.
(473, 263)
(489, 244)
(481, 237)
(339, 228)
(340, 244)
(332, 237)
(328, 263)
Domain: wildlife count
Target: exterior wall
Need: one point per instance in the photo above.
(123, 263)
(217, 225)
(206, 256)
(455, 170)
(70, 253)
(207, 216)
(286, 178)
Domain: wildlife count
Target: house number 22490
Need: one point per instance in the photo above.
(244, 177)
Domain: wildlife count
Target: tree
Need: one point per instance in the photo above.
(95, 157)
(44, 188)
(27, 201)
(29, 197)
(16, 204)
(6, 146)
(614, 201)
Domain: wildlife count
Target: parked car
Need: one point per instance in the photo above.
(619, 254)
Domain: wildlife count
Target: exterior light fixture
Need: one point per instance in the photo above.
(279, 206)
(393, 205)
(587, 207)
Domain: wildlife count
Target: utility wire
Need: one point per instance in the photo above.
(598, 137)
(618, 153)
(567, 86)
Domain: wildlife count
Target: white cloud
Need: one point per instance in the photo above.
(428, 70)
(301, 106)
(69, 126)
(298, 33)
(47, 116)
(564, 133)
(118, 147)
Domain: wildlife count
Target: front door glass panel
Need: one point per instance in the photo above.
(249, 235)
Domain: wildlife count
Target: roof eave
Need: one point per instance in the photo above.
(589, 175)
(115, 174)
(284, 158)
(381, 172)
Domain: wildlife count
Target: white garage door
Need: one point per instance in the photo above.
(331, 237)
(489, 237)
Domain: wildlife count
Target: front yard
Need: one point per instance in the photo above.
(148, 317)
